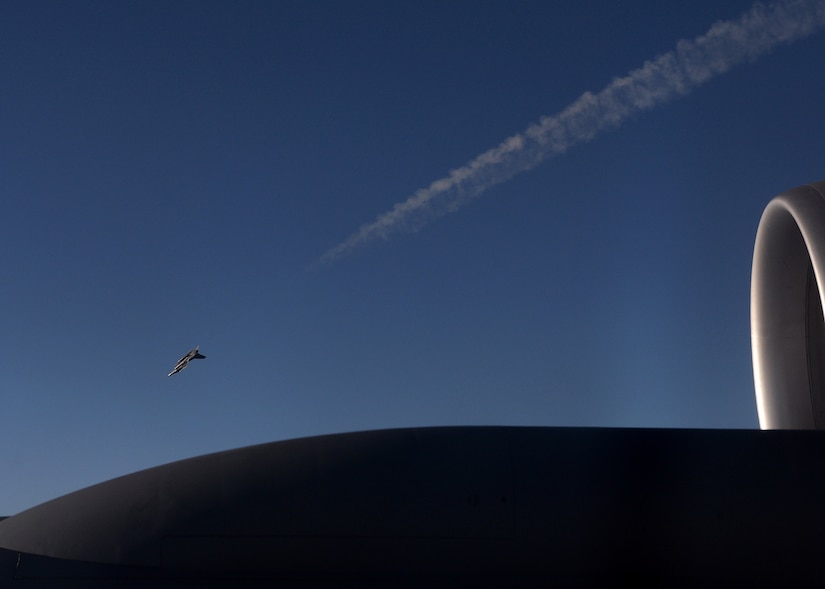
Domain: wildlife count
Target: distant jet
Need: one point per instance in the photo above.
(184, 362)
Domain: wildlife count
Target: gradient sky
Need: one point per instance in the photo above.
(172, 173)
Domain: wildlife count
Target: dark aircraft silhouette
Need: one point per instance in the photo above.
(184, 362)
(487, 507)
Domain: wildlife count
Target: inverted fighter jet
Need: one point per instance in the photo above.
(184, 362)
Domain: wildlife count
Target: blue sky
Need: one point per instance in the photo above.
(172, 173)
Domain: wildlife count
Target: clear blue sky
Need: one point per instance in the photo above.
(171, 173)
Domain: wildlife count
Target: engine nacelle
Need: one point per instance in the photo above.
(787, 327)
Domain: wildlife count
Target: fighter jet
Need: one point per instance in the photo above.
(184, 362)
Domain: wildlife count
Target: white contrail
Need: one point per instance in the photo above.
(692, 63)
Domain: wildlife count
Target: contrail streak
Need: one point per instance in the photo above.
(690, 64)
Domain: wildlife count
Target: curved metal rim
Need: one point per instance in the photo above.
(788, 269)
